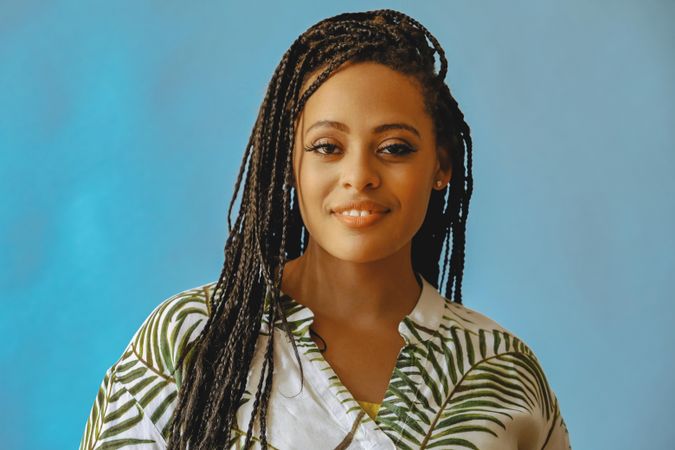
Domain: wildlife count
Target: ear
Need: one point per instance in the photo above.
(443, 168)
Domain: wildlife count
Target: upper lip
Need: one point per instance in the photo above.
(361, 205)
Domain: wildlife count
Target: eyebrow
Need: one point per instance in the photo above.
(378, 129)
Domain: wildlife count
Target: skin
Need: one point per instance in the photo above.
(360, 283)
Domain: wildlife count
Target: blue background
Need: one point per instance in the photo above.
(123, 125)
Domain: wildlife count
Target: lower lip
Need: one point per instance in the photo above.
(360, 221)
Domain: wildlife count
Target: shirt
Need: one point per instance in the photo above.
(460, 381)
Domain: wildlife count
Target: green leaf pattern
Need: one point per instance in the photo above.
(461, 382)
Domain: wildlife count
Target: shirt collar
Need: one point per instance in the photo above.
(419, 325)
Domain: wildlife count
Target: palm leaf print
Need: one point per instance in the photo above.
(454, 389)
(140, 389)
(106, 429)
(461, 381)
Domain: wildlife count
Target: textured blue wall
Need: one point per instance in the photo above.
(122, 127)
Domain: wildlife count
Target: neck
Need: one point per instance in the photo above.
(364, 294)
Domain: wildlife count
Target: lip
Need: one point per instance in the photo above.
(360, 221)
(366, 205)
(377, 212)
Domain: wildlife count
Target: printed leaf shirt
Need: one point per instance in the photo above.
(461, 381)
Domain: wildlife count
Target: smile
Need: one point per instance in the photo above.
(359, 219)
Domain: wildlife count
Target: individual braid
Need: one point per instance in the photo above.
(269, 230)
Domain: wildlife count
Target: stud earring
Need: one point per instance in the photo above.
(439, 183)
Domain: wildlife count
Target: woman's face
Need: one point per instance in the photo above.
(372, 140)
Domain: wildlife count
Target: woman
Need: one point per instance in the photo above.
(356, 181)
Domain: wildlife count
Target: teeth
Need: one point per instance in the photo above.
(355, 213)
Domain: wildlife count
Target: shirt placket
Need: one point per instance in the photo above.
(336, 398)
(340, 402)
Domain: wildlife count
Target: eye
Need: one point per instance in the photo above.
(327, 149)
(399, 149)
(315, 148)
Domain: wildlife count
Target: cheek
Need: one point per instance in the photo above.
(313, 190)
(414, 195)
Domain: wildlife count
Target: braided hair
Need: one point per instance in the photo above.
(269, 230)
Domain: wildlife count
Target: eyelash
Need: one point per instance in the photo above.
(406, 149)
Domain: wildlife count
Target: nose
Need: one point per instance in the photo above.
(359, 169)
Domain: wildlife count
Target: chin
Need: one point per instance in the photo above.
(359, 252)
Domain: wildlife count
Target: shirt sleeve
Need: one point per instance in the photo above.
(557, 437)
(118, 419)
(545, 429)
(550, 420)
(515, 383)
(136, 400)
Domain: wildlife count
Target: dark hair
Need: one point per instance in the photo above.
(269, 230)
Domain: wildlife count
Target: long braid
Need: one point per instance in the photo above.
(268, 229)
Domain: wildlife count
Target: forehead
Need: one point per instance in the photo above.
(365, 91)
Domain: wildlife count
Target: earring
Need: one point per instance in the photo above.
(439, 183)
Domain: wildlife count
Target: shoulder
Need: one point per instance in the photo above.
(469, 318)
(491, 337)
(164, 336)
(175, 322)
(136, 398)
(492, 359)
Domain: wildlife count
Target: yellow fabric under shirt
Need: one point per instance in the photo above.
(370, 408)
